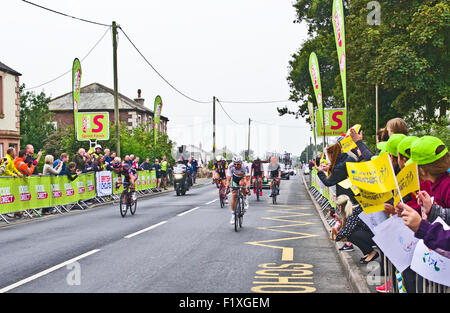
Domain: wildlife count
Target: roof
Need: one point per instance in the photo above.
(6, 68)
(95, 97)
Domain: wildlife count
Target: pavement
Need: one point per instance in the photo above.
(177, 245)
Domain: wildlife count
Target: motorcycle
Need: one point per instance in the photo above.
(180, 180)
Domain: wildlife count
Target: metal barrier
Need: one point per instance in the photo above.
(422, 285)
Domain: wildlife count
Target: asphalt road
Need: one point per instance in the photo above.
(175, 244)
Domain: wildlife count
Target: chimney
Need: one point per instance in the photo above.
(139, 99)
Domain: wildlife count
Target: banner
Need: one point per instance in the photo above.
(408, 182)
(145, 180)
(157, 116)
(430, 264)
(339, 35)
(335, 123)
(76, 83)
(17, 194)
(315, 79)
(374, 219)
(396, 241)
(92, 126)
(375, 176)
(104, 183)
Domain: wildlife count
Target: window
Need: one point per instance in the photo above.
(1, 150)
(2, 112)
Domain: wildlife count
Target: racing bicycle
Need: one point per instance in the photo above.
(257, 187)
(222, 193)
(126, 200)
(274, 192)
(239, 210)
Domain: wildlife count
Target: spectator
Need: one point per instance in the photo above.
(48, 166)
(99, 164)
(194, 165)
(23, 167)
(72, 171)
(396, 126)
(80, 159)
(3, 163)
(157, 167)
(126, 159)
(164, 171)
(131, 160)
(64, 158)
(146, 166)
(30, 159)
(89, 167)
(97, 152)
(136, 163)
(10, 169)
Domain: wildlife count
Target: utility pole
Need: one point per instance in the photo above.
(376, 110)
(310, 145)
(214, 127)
(116, 88)
(248, 148)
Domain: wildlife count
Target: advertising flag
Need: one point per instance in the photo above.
(315, 79)
(339, 35)
(375, 176)
(157, 116)
(76, 83)
(334, 123)
(92, 126)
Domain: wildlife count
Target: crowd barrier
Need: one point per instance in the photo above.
(35, 192)
(326, 198)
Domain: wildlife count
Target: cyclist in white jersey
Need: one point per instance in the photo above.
(238, 174)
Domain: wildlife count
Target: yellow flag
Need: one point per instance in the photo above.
(346, 183)
(375, 176)
(356, 127)
(347, 144)
(369, 207)
(375, 198)
(408, 181)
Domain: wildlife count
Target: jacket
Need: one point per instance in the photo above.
(79, 161)
(23, 167)
(440, 189)
(438, 211)
(366, 154)
(10, 168)
(2, 168)
(353, 222)
(339, 174)
(434, 236)
(50, 171)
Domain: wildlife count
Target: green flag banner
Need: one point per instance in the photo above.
(157, 116)
(92, 126)
(76, 83)
(335, 123)
(315, 79)
(339, 35)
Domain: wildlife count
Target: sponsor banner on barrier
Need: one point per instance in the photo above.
(430, 264)
(145, 180)
(17, 194)
(396, 241)
(104, 183)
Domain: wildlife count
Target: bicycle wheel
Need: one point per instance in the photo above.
(133, 206)
(241, 215)
(274, 194)
(237, 213)
(123, 203)
(221, 197)
(256, 187)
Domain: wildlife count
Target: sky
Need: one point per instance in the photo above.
(233, 50)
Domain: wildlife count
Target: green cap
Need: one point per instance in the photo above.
(382, 146)
(392, 143)
(405, 144)
(423, 150)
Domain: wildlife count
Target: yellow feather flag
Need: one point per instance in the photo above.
(374, 176)
(408, 181)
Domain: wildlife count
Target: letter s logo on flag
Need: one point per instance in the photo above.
(99, 124)
(336, 119)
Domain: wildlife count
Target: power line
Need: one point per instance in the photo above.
(64, 14)
(227, 113)
(256, 102)
(70, 70)
(159, 74)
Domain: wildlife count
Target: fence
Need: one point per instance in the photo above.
(58, 192)
(326, 198)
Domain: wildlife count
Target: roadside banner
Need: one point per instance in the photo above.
(375, 176)
(104, 183)
(335, 124)
(76, 83)
(339, 35)
(157, 116)
(315, 79)
(92, 126)
(431, 264)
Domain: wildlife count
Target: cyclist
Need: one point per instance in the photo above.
(219, 168)
(238, 175)
(274, 173)
(256, 172)
(128, 172)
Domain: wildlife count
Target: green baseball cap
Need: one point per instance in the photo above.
(423, 150)
(405, 144)
(392, 143)
(382, 146)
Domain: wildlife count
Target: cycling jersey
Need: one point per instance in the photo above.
(273, 170)
(127, 174)
(220, 169)
(257, 169)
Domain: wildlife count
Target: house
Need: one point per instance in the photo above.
(9, 109)
(98, 98)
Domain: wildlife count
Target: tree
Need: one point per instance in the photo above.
(35, 118)
(406, 55)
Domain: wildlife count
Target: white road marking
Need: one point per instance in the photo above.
(211, 201)
(52, 269)
(144, 230)
(186, 212)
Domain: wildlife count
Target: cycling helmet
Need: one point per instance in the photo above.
(219, 158)
(237, 159)
(98, 146)
(258, 160)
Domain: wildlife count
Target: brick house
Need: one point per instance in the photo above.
(9, 109)
(98, 98)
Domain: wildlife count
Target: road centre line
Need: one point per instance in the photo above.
(188, 211)
(144, 230)
(45, 272)
(211, 201)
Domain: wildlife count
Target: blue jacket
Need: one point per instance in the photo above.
(63, 170)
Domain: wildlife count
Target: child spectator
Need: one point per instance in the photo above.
(64, 158)
(72, 171)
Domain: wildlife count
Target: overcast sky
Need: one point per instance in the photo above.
(236, 50)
